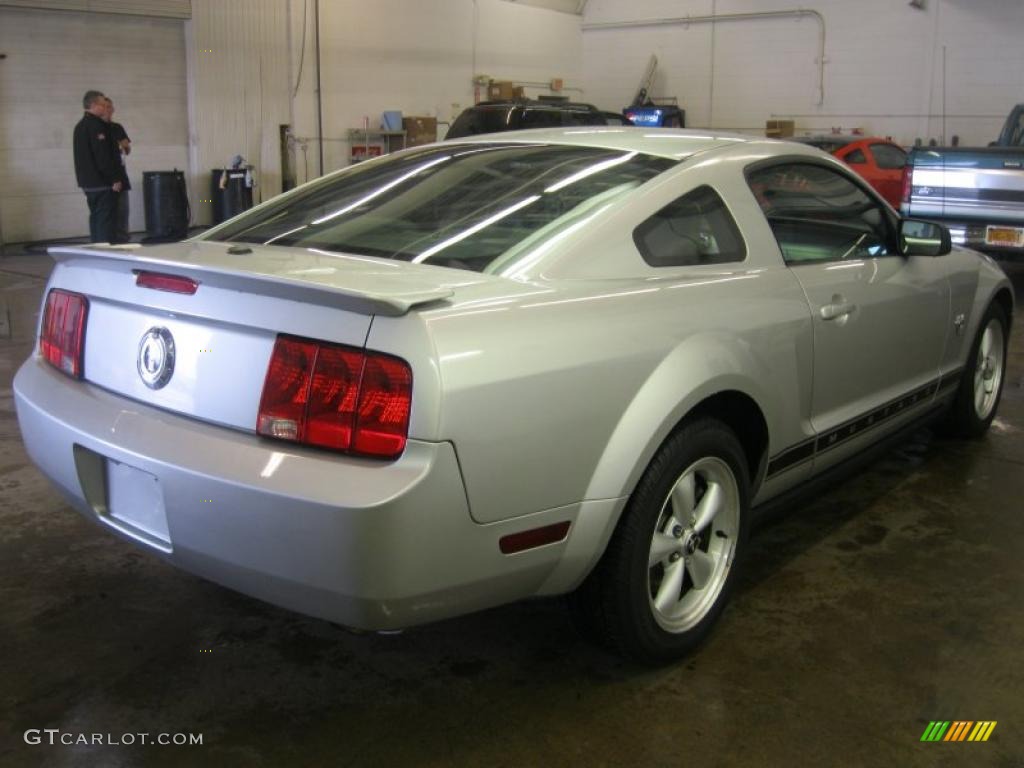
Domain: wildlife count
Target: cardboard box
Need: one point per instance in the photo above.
(779, 129)
(419, 130)
(504, 90)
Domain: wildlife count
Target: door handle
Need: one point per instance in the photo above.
(838, 309)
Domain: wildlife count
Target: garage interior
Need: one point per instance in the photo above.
(866, 610)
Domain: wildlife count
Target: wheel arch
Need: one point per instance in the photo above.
(1004, 298)
(732, 394)
(993, 287)
(734, 405)
(741, 413)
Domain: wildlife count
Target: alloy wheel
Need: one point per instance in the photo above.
(693, 544)
(988, 370)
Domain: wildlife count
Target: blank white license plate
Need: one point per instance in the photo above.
(1012, 236)
(135, 502)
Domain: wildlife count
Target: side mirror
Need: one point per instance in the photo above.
(924, 238)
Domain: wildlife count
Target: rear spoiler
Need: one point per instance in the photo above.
(369, 294)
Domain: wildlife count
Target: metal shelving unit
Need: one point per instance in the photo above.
(384, 142)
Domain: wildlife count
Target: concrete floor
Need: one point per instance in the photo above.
(894, 599)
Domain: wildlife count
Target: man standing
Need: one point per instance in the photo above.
(122, 233)
(97, 167)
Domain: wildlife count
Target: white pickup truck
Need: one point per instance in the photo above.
(978, 193)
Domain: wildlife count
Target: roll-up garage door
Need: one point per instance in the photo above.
(52, 58)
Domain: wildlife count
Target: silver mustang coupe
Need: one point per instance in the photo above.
(535, 363)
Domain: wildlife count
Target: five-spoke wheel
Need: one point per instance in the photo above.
(988, 369)
(669, 567)
(693, 544)
(978, 396)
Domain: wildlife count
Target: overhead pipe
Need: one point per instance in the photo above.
(546, 85)
(751, 16)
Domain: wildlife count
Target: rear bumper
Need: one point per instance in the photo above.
(366, 544)
(971, 234)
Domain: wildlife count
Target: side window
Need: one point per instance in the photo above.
(817, 214)
(570, 117)
(889, 157)
(1017, 136)
(695, 229)
(541, 118)
(857, 156)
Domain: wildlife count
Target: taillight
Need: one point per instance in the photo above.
(286, 390)
(385, 394)
(159, 281)
(62, 336)
(908, 183)
(336, 397)
(334, 390)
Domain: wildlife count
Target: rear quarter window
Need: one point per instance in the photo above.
(695, 229)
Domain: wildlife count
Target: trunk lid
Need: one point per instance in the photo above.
(223, 335)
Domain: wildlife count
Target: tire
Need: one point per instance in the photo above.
(977, 398)
(654, 613)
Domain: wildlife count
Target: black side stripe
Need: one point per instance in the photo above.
(826, 441)
(950, 380)
(790, 457)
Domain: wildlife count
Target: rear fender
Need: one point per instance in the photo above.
(700, 367)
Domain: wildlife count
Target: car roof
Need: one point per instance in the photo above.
(825, 139)
(839, 140)
(673, 143)
(534, 104)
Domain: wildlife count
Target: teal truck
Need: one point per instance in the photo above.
(978, 193)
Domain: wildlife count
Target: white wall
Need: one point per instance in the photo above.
(883, 66)
(984, 65)
(883, 73)
(52, 59)
(418, 57)
(239, 93)
(242, 63)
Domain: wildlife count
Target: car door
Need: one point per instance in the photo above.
(880, 319)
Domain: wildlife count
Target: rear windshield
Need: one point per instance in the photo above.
(469, 206)
(825, 144)
(889, 157)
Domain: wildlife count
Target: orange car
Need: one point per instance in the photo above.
(878, 161)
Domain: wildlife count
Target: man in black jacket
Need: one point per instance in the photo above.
(98, 167)
(122, 231)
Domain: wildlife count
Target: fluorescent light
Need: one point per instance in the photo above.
(285, 234)
(475, 228)
(590, 171)
(381, 190)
